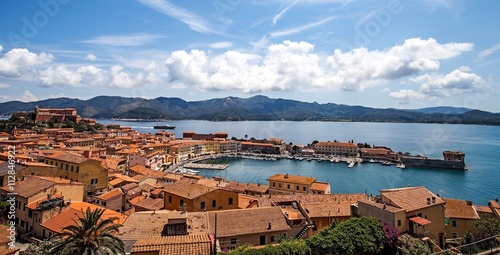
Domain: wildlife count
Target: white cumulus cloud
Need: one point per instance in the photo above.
(456, 82)
(404, 96)
(72, 76)
(27, 96)
(91, 57)
(295, 65)
(18, 61)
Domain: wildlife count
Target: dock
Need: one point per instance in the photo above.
(206, 166)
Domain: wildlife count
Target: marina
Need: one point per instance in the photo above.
(480, 143)
(206, 166)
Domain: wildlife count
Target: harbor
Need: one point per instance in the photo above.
(206, 166)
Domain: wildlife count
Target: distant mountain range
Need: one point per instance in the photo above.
(253, 108)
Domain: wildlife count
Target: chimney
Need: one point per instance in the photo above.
(269, 226)
(286, 176)
(428, 200)
(433, 200)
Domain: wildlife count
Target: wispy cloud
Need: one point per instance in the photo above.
(221, 45)
(282, 12)
(194, 21)
(123, 40)
(3, 85)
(489, 51)
(299, 29)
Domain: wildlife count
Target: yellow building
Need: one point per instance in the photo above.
(336, 148)
(193, 197)
(413, 209)
(294, 184)
(459, 215)
(90, 172)
(34, 195)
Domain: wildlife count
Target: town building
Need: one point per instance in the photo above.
(193, 197)
(415, 210)
(459, 215)
(379, 153)
(336, 148)
(179, 245)
(36, 194)
(80, 169)
(295, 184)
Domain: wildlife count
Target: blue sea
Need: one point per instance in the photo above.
(481, 145)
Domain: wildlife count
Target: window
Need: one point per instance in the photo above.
(233, 240)
(203, 206)
(297, 187)
(77, 168)
(170, 199)
(279, 184)
(454, 223)
(455, 235)
(214, 203)
(399, 223)
(274, 184)
(72, 168)
(103, 203)
(66, 166)
(230, 202)
(30, 213)
(304, 188)
(288, 186)
(93, 181)
(181, 202)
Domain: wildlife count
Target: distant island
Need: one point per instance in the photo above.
(258, 108)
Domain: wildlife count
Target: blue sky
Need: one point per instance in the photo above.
(387, 53)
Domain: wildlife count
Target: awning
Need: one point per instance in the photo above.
(420, 221)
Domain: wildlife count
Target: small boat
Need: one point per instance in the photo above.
(166, 126)
(351, 164)
(337, 160)
(401, 165)
(372, 161)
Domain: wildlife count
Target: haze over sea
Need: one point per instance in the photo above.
(481, 145)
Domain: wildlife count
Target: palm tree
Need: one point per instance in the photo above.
(89, 236)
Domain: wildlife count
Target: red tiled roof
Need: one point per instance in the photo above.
(420, 221)
(292, 178)
(459, 209)
(411, 198)
(179, 245)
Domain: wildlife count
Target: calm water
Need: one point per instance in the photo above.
(481, 145)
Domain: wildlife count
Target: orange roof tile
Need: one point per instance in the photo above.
(109, 195)
(188, 190)
(66, 218)
(29, 186)
(459, 209)
(292, 179)
(179, 245)
(411, 198)
(67, 157)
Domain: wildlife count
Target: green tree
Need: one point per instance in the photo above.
(484, 228)
(357, 235)
(409, 245)
(90, 235)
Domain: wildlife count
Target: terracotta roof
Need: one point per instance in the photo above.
(483, 209)
(238, 222)
(259, 188)
(385, 207)
(187, 190)
(146, 171)
(320, 186)
(179, 245)
(292, 179)
(411, 198)
(336, 144)
(140, 224)
(68, 157)
(315, 210)
(151, 204)
(459, 209)
(312, 198)
(29, 186)
(236, 186)
(111, 194)
(59, 222)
